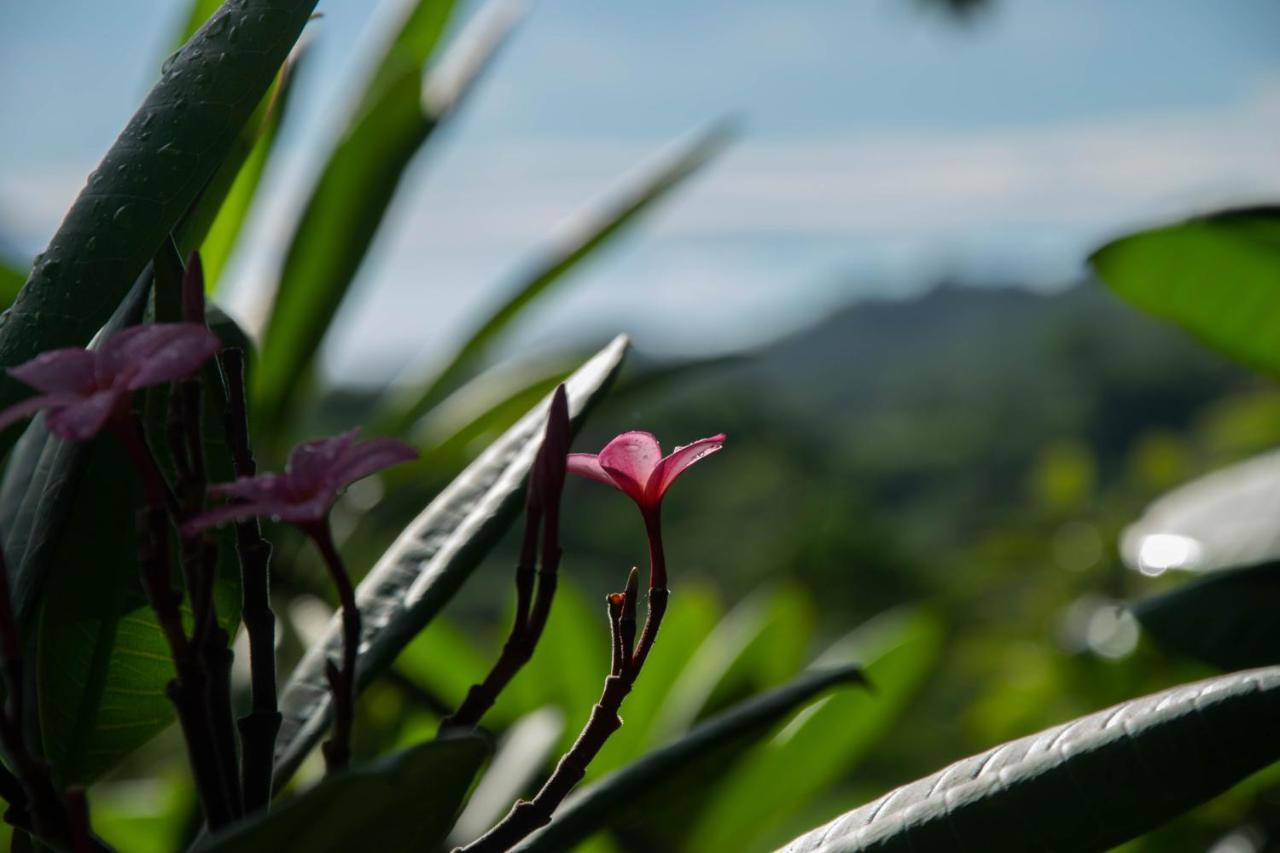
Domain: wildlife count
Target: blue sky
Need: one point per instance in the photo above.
(882, 149)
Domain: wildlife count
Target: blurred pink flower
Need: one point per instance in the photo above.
(633, 463)
(316, 473)
(84, 389)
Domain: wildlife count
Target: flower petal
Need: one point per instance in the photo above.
(155, 353)
(264, 488)
(364, 459)
(221, 515)
(588, 465)
(66, 370)
(674, 465)
(310, 462)
(28, 407)
(83, 419)
(630, 459)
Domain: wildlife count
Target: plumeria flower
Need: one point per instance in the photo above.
(83, 389)
(317, 471)
(633, 464)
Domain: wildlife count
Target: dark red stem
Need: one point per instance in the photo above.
(337, 750)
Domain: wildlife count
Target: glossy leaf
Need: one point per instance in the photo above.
(1217, 276)
(682, 766)
(430, 560)
(1086, 785)
(897, 651)
(1225, 519)
(388, 125)
(1227, 619)
(595, 229)
(170, 149)
(406, 802)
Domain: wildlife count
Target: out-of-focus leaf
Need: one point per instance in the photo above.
(1227, 619)
(200, 11)
(442, 661)
(102, 662)
(219, 215)
(521, 755)
(691, 616)
(12, 275)
(682, 766)
(405, 802)
(162, 161)
(822, 745)
(571, 663)
(595, 228)
(390, 122)
(40, 483)
(759, 644)
(1225, 519)
(1217, 276)
(430, 560)
(1089, 784)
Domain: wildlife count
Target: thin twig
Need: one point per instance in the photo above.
(258, 728)
(337, 750)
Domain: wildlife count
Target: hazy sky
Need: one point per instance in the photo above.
(882, 148)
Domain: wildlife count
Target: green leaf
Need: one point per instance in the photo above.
(428, 563)
(683, 766)
(1225, 519)
(168, 152)
(1087, 785)
(1217, 276)
(12, 275)
(390, 122)
(218, 216)
(1227, 619)
(406, 802)
(759, 644)
(596, 228)
(897, 649)
(201, 11)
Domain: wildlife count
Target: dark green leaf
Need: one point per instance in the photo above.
(1226, 519)
(681, 767)
(406, 802)
(1217, 276)
(168, 152)
(1228, 619)
(595, 230)
(1087, 785)
(389, 123)
(897, 651)
(430, 560)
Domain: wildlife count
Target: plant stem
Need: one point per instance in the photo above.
(529, 815)
(189, 690)
(258, 728)
(337, 750)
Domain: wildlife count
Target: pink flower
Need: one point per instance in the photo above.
(316, 473)
(633, 463)
(84, 389)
